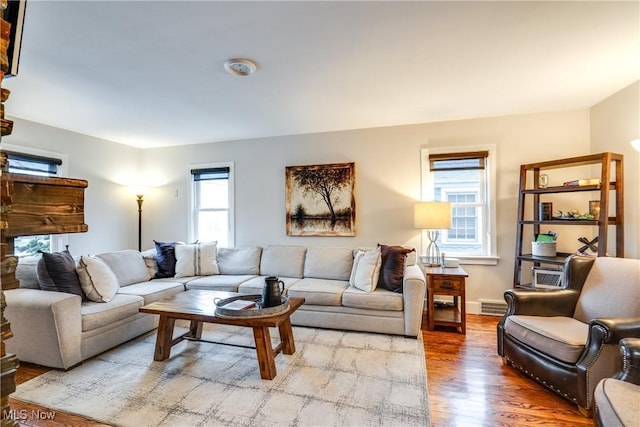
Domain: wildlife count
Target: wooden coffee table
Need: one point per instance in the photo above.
(198, 307)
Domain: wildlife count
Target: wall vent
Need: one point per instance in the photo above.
(493, 308)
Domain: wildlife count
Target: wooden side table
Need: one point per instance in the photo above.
(446, 281)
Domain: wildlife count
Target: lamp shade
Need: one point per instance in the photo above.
(432, 215)
(636, 144)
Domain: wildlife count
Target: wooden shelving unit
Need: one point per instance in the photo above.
(611, 189)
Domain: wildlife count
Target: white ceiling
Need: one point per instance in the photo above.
(151, 74)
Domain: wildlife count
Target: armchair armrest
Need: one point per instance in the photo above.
(617, 328)
(630, 351)
(607, 331)
(600, 353)
(541, 303)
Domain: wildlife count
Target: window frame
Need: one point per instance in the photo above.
(193, 209)
(488, 231)
(58, 241)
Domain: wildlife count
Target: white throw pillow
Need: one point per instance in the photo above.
(198, 259)
(366, 269)
(97, 280)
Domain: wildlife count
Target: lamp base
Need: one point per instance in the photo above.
(433, 257)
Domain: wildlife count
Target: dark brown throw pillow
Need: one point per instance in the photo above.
(57, 272)
(166, 258)
(392, 270)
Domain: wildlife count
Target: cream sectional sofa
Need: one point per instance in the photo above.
(61, 330)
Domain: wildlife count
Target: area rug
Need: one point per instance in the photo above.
(335, 378)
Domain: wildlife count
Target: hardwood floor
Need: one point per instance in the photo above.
(468, 386)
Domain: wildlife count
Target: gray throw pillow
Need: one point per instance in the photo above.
(57, 272)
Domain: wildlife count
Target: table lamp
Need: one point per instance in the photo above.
(433, 217)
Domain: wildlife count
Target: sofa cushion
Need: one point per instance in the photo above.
(57, 272)
(319, 291)
(154, 290)
(393, 264)
(197, 259)
(182, 280)
(282, 261)
(562, 338)
(254, 286)
(128, 266)
(166, 259)
(380, 299)
(26, 272)
(96, 314)
(239, 260)
(328, 263)
(227, 283)
(366, 269)
(97, 280)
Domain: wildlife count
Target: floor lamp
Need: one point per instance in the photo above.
(139, 199)
(433, 217)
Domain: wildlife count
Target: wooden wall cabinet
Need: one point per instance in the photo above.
(531, 193)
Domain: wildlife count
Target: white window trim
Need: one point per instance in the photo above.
(58, 241)
(192, 201)
(427, 194)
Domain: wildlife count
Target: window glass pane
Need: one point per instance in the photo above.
(464, 190)
(213, 194)
(463, 228)
(32, 165)
(29, 245)
(212, 217)
(465, 179)
(213, 225)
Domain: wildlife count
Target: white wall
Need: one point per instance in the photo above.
(387, 181)
(614, 123)
(110, 212)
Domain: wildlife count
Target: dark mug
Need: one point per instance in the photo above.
(272, 292)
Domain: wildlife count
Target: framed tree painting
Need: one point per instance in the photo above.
(13, 15)
(320, 200)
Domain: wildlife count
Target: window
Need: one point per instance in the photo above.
(466, 180)
(41, 164)
(32, 165)
(212, 196)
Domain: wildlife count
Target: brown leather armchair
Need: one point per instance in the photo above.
(567, 339)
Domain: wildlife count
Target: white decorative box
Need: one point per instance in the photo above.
(451, 262)
(543, 248)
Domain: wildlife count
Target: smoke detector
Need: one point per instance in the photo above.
(240, 66)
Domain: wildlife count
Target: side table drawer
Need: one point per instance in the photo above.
(446, 284)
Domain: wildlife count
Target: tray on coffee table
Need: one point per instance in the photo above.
(253, 312)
